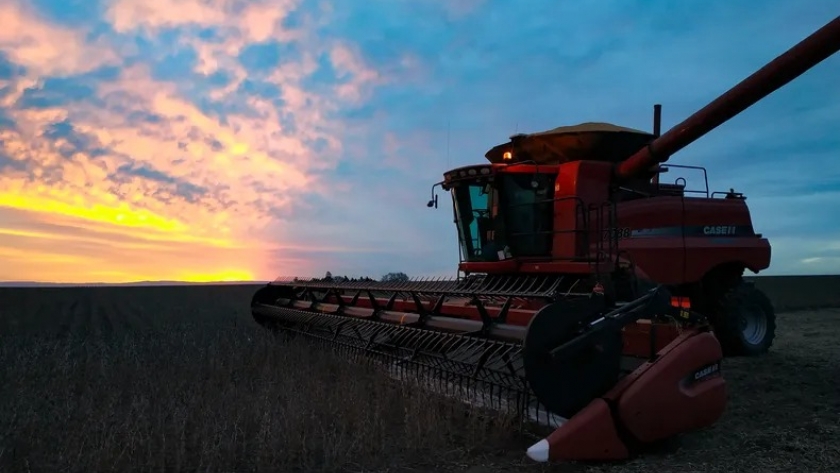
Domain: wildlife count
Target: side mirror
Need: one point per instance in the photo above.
(434, 201)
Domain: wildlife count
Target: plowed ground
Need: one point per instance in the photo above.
(181, 379)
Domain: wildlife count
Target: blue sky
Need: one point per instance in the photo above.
(225, 139)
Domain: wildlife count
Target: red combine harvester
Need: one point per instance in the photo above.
(595, 298)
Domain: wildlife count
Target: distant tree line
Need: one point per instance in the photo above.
(390, 277)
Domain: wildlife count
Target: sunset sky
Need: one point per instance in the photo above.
(223, 139)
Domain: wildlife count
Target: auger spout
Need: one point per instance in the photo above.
(774, 75)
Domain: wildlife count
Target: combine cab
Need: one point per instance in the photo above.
(595, 298)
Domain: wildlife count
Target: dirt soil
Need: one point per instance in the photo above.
(181, 379)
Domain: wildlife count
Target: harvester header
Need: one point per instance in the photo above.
(592, 298)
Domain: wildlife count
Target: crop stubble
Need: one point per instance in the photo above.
(181, 379)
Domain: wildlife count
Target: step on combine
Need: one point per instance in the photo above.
(592, 297)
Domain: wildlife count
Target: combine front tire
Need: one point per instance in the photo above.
(746, 325)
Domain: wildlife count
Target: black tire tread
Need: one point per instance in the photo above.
(726, 326)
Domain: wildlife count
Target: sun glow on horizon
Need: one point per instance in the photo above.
(226, 275)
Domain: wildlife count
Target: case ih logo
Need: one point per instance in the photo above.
(719, 230)
(707, 371)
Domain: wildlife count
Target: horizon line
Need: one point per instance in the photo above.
(24, 283)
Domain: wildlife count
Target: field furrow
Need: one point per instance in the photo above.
(65, 316)
(102, 320)
(86, 315)
(135, 314)
(111, 311)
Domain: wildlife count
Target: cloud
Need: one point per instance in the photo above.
(44, 48)
(193, 139)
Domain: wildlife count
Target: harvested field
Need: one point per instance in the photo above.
(180, 379)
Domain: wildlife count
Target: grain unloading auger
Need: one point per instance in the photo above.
(594, 298)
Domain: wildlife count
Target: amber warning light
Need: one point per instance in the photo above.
(507, 156)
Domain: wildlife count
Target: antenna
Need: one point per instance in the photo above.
(448, 130)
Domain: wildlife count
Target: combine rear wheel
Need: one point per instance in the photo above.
(746, 325)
